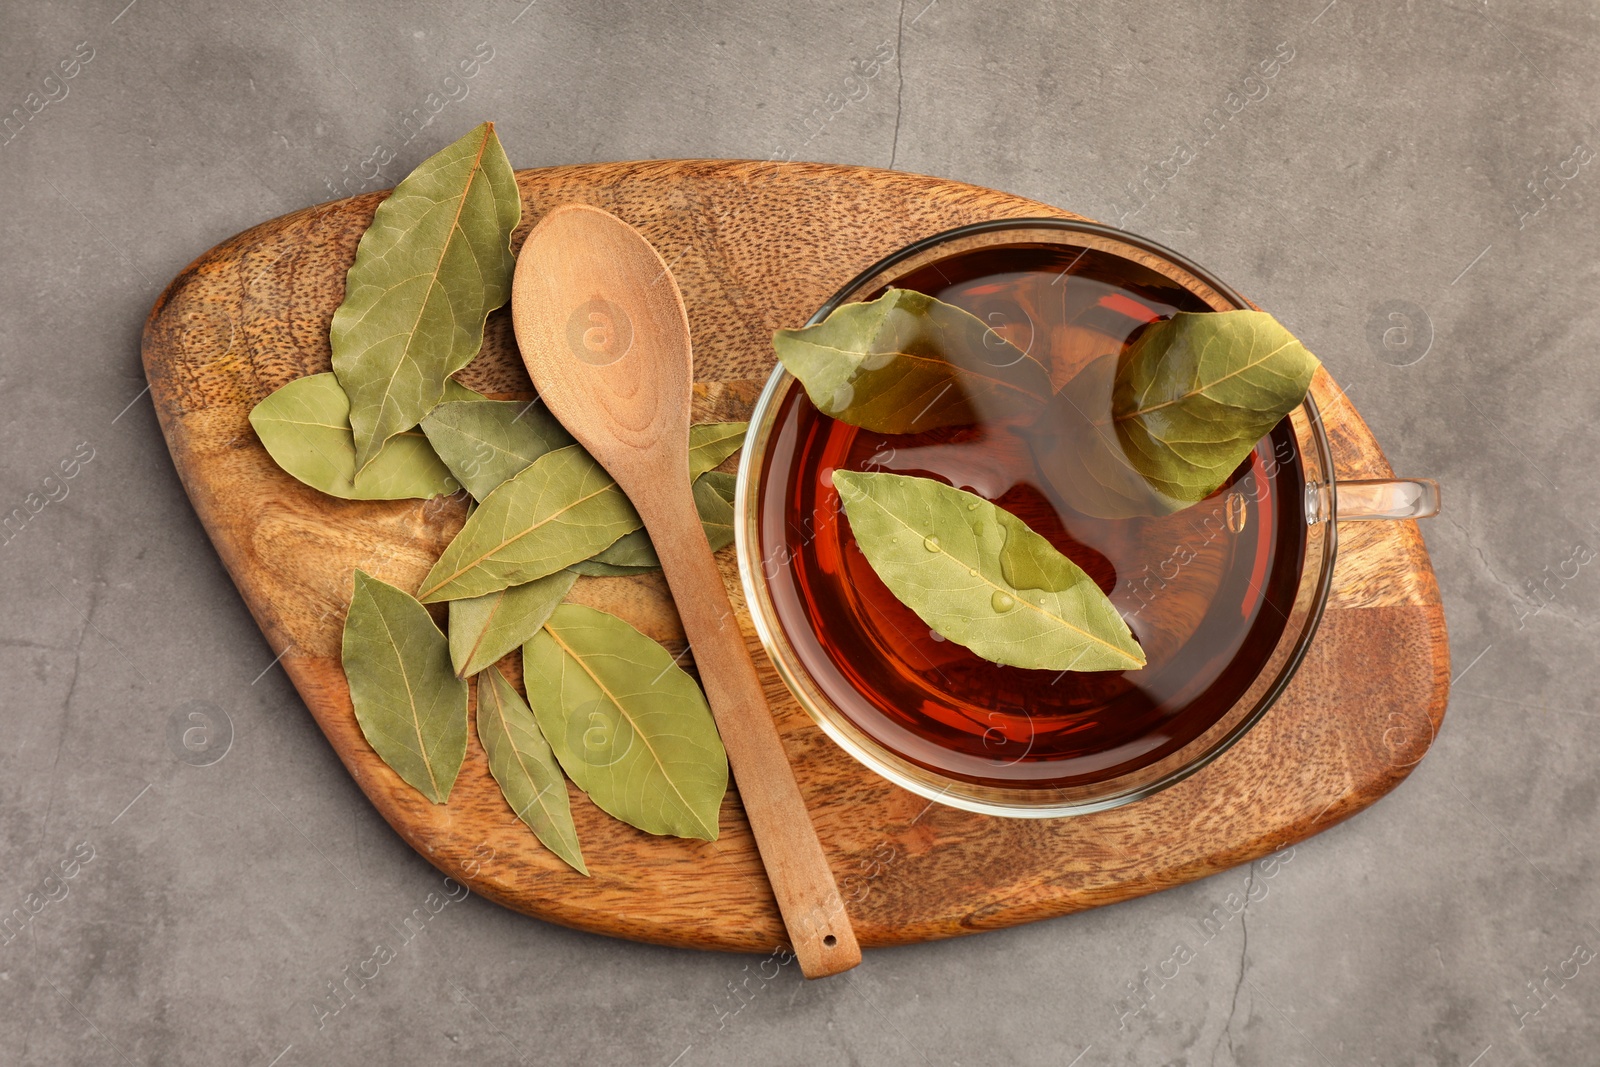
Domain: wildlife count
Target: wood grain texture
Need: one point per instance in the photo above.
(754, 246)
(604, 335)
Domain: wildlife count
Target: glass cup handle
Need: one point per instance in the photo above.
(1373, 498)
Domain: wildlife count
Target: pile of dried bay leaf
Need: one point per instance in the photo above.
(609, 707)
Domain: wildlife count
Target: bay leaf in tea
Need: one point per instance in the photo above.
(1195, 393)
(978, 576)
(1164, 425)
(906, 363)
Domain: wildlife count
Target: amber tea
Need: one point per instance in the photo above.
(1206, 591)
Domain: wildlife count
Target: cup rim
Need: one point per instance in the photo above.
(1020, 801)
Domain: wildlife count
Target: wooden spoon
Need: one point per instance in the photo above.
(603, 332)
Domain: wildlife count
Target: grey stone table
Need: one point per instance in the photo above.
(1407, 186)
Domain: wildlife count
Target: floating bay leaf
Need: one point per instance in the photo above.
(305, 426)
(428, 270)
(411, 706)
(944, 554)
(1076, 448)
(634, 552)
(563, 508)
(1195, 393)
(906, 363)
(1170, 421)
(486, 442)
(521, 761)
(629, 726)
(484, 628)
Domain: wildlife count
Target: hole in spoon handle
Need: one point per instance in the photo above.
(803, 883)
(821, 935)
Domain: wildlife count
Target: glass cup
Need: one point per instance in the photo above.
(1327, 502)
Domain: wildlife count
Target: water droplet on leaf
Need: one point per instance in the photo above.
(1002, 601)
(931, 543)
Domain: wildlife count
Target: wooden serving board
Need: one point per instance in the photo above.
(755, 247)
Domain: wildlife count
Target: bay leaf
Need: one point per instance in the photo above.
(537, 523)
(634, 552)
(906, 363)
(1077, 450)
(945, 554)
(562, 508)
(305, 427)
(486, 442)
(628, 725)
(484, 628)
(713, 499)
(523, 764)
(709, 444)
(428, 270)
(1195, 393)
(456, 393)
(1166, 424)
(593, 568)
(712, 442)
(410, 705)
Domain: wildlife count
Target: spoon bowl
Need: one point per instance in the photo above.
(597, 310)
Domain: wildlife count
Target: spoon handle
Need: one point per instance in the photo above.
(808, 897)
